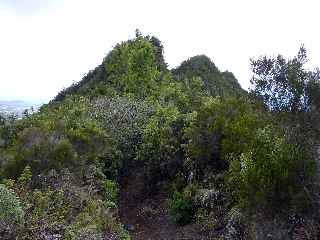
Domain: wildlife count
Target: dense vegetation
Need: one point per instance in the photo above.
(243, 162)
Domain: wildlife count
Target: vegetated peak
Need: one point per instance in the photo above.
(196, 65)
(129, 59)
(136, 67)
(216, 83)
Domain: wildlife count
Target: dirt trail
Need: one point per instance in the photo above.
(146, 217)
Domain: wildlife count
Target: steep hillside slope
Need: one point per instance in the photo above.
(216, 83)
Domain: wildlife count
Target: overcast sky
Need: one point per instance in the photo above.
(45, 45)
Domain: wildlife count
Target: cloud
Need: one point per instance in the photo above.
(28, 7)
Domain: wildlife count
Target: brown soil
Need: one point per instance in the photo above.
(146, 217)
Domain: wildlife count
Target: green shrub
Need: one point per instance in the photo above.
(11, 210)
(270, 171)
(63, 205)
(181, 208)
(8, 130)
(40, 149)
(123, 119)
(62, 155)
(90, 141)
(185, 94)
(96, 219)
(203, 136)
(60, 135)
(160, 149)
(25, 178)
(111, 191)
(219, 129)
(132, 67)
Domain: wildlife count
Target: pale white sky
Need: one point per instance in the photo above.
(45, 45)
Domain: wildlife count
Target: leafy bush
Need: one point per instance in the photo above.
(219, 129)
(181, 208)
(64, 207)
(95, 220)
(185, 94)
(111, 191)
(203, 137)
(90, 142)
(7, 130)
(59, 135)
(132, 67)
(271, 171)
(123, 118)
(11, 211)
(41, 150)
(160, 149)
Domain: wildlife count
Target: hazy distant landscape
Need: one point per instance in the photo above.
(16, 107)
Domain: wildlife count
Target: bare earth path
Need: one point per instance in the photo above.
(146, 217)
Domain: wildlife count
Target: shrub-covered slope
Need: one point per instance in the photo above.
(145, 56)
(135, 150)
(216, 83)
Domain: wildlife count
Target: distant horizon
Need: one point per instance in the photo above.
(27, 101)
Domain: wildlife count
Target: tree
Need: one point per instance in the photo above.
(280, 83)
(270, 171)
(290, 92)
